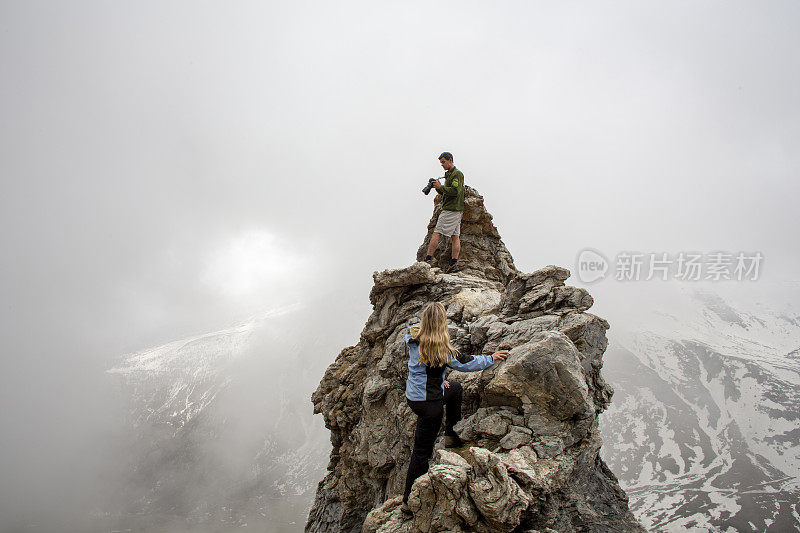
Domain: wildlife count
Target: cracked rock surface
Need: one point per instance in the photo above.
(530, 460)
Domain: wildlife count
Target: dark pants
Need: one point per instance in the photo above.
(429, 420)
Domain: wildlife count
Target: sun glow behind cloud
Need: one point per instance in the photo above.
(250, 264)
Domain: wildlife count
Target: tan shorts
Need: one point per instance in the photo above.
(449, 223)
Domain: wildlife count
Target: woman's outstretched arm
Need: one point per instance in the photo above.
(473, 363)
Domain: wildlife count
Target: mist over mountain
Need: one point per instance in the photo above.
(215, 430)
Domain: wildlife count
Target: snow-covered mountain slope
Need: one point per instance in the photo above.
(191, 367)
(222, 430)
(704, 427)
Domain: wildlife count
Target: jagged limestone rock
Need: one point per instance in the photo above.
(439, 498)
(497, 496)
(545, 371)
(516, 437)
(532, 461)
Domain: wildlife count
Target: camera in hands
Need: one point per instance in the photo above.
(429, 186)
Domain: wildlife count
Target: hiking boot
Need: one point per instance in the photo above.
(453, 441)
(428, 260)
(452, 268)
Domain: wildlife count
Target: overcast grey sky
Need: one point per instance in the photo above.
(170, 167)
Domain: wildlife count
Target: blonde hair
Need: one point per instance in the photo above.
(433, 337)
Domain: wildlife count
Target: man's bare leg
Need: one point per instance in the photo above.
(434, 243)
(456, 241)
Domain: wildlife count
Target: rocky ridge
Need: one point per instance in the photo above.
(531, 460)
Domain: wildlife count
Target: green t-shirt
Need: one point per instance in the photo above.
(452, 190)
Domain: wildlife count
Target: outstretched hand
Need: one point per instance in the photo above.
(501, 354)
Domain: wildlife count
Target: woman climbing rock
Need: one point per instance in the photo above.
(427, 393)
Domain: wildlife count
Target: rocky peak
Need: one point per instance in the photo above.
(482, 252)
(530, 424)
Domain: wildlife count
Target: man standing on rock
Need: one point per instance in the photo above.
(449, 222)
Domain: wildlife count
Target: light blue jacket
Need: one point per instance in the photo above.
(427, 382)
